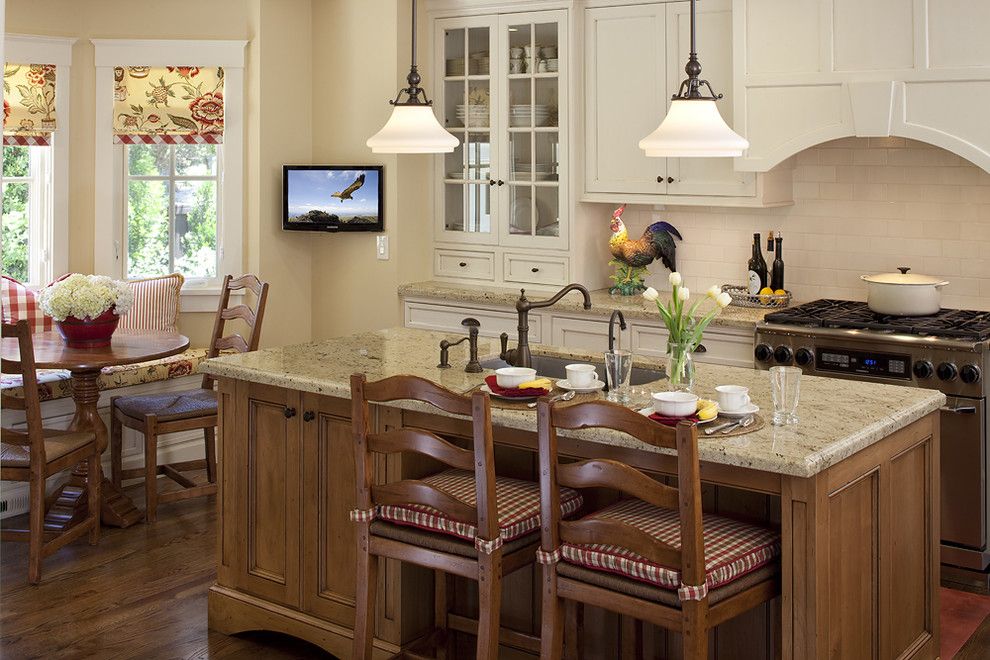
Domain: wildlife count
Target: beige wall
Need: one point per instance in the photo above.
(860, 206)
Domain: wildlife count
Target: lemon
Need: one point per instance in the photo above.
(780, 292)
(765, 294)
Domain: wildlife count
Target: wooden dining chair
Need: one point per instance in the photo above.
(36, 453)
(156, 414)
(653, 556)
(463, 520)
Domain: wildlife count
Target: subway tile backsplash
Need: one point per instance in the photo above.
(861, 205)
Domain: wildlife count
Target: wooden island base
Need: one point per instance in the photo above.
(860, 539)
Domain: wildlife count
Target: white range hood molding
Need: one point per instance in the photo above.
(931, 85)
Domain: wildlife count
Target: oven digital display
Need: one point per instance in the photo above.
(884, 365)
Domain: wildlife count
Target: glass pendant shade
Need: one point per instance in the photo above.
(412, 129)
(693, 128)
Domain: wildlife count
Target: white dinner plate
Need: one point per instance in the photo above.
(485, 388)
(596, 385)
(742, 412)
(646, 412)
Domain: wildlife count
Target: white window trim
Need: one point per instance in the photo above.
(107, 253)
(32, 49)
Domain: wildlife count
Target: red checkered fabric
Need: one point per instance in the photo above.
(544, 557)
(193, 138)
(28, 140)
(518, 504)
(692, 593)
(732, 548)
(362, 515)
(18, 302)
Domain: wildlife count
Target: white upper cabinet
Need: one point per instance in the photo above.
(808, 71)
(634, 59)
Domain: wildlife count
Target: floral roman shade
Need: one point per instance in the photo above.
(168, 105)
(28, 104)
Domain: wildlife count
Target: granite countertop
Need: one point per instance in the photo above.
(602, 302)
(837, 417)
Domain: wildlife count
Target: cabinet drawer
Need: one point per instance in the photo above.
(470, 265)
(446, 318)
(538, 269)
(728, 346)
(584, 334)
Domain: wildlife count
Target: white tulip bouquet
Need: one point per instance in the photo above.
(85, 297)
(684, 326)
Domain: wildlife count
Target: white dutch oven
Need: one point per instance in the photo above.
(904, 294)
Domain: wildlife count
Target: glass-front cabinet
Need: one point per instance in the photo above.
(503, 95)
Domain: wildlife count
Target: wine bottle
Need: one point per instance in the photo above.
(757, 268)
(777, 269)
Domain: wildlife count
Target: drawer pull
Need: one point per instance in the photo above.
(309, 416)
(535, 270)
(289, 413)
(670, 179)
(462, 264)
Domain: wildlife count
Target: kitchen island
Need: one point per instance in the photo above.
(853, 488)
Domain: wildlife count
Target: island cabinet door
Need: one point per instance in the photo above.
(262, 493)
(328, 552)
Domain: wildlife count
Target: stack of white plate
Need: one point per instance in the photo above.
(455, 67)
(527, 115)
(475, 115)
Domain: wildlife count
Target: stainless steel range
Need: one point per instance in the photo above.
(949, 351)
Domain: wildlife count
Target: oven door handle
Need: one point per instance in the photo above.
(961, 410)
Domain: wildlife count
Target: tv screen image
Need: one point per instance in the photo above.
(332, 198)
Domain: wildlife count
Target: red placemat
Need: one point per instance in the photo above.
(513, 392)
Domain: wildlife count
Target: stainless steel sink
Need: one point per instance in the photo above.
(553, 367)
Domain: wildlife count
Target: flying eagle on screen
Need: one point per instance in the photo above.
(349, 190)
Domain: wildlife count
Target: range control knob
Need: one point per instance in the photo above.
(783, 354)
(970, 374)
(923, 369)
(763, 353)
(947, 371)
(804, 357)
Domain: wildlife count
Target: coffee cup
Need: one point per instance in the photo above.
(675, 404)
(581, 375)
(732, 397)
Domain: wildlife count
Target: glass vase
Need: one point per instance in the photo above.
(680, 366)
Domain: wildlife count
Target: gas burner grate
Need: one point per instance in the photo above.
(827, 313)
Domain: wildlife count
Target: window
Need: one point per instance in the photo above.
(27, 213)
(172, 210)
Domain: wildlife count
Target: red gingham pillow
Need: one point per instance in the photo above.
(156, 304)
(518, 504)
(19, 303)
(732, 548)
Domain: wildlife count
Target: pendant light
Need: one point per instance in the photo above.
(693, 126)
(412, 128)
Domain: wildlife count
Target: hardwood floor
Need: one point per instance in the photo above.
(141, 593)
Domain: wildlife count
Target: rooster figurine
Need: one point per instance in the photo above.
(631, 257)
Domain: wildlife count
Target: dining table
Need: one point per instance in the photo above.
(68, 504)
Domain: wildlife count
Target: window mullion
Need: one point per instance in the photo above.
(171, 210)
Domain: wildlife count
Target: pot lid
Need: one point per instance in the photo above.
(904, 277)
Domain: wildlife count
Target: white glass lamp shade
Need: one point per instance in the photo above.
(693, 128)
(412, 129)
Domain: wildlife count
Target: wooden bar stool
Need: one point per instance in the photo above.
(654, 557)
(156, 414)
(463, 521)
(37, 453)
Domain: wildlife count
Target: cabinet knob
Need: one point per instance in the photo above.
(660, 179)
(670, 179)
(501, 183)
(289, 413)
(462, 264)
(535, 270)
(309, 416)
(491, 182)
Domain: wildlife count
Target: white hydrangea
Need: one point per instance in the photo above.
(85, 296)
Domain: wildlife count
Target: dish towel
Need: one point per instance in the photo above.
(513, 392)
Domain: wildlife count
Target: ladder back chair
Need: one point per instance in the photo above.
(653, 556)
(36, 453)
(463, 521)
(156, 414)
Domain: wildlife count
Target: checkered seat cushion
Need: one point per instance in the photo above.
(732, 548)
(518, 504)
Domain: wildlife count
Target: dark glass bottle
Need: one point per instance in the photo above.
(777, 269)
(757, 268)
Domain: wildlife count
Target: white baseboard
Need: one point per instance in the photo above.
(173, 447)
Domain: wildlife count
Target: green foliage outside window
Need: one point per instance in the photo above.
(15, 230)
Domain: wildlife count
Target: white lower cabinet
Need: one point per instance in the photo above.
(723, 345)
(584, 334)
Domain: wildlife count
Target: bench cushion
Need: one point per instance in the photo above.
(54, 383)
(18, 303)
(732, 548)
(518, 504)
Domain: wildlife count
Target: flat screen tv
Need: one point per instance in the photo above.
(332, 198)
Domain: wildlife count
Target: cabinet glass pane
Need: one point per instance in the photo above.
(453, 48)
(477, 112)
(478, 152)
(454, 98)
(453, 205)
(520, 148)
(520, 103)
(479, 208)
(545, 102)
(479, 61)
(547, 156)
(453, 163)
(520, 209)
(547, 211)
(521, 52)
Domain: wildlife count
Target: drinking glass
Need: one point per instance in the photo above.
(618, 369)
(785, 389)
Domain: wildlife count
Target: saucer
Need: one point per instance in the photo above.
(742, 412)
(646, 412)
(594, 387)
(485, 388)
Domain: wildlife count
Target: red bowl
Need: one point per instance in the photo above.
(88, 333)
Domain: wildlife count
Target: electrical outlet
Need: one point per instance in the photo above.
(381, 247)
